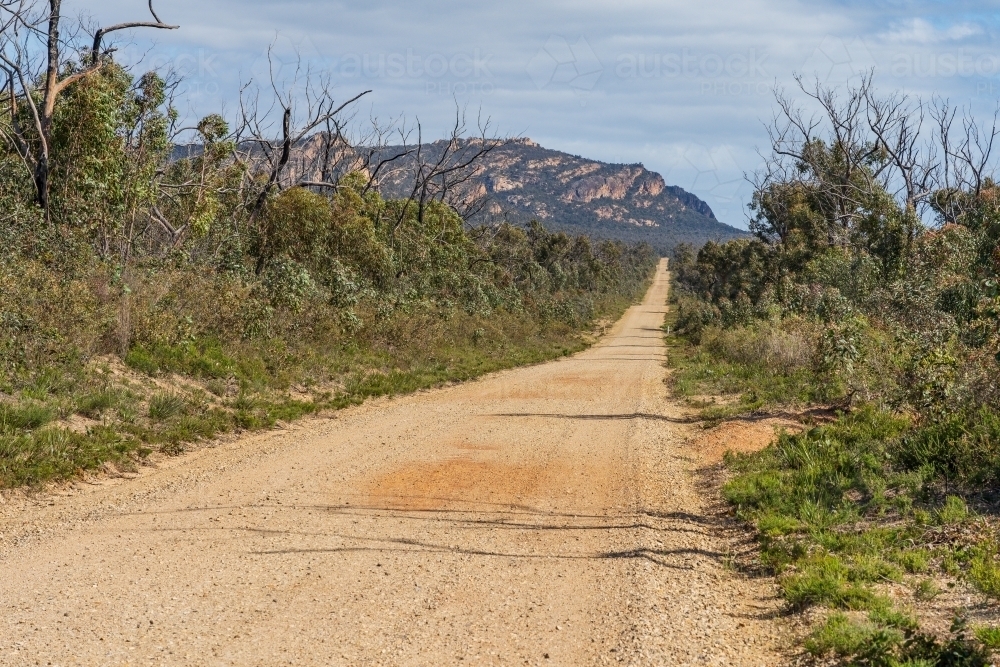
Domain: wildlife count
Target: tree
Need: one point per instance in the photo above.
(40, 63)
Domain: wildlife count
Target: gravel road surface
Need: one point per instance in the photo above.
(549, 515)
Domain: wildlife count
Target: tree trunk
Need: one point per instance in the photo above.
(48, 107)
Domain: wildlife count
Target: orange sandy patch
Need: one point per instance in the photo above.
(740, 436)
(462, 481)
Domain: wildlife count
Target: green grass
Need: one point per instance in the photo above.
(827, 580)
(165, 406)
(893, 640)
(135, 420)
(847, 507)
(26, 417)
(843, 636)
(94, 405)
(55, 453)
(989, 636)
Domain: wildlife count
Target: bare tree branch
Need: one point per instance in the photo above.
(95, 50)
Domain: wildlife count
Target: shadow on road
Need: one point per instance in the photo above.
(632, 415)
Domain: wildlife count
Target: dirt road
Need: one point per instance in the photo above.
(542, 516)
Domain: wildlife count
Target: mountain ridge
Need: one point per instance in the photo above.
(570, 193)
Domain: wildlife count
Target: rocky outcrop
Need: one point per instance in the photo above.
(563, 191)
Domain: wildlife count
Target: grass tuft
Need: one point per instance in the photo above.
(164, 406)
(26, 417)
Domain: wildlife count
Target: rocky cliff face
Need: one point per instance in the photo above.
(526, 181)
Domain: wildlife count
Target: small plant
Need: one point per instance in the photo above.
(94, 405)
(926, 590)
(872, 568)
(989, 636)
(142, 360)
(914, 561)
(127, 413)
(244, 403)
(893, 618)
(164, 406)
(217, 387)
(954, 511)
(984, 573)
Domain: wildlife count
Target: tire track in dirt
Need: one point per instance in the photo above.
(546, 516)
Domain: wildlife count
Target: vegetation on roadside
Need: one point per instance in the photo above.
(154, 295)
(876, 300)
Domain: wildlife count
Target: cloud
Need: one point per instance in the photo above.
(658, 77)
(922, 31)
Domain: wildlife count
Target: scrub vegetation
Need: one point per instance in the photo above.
(868, 302)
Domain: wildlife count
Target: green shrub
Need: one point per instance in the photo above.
(914, 561)
(165, 406)
(953, 511)
(984, 573)
(926, 590)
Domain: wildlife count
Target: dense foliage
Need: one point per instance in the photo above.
(883, 306)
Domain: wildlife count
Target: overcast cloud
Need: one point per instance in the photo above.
(682, 87)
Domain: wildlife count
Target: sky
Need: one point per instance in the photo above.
(685, 88)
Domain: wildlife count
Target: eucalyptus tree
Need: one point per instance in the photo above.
(41, 59)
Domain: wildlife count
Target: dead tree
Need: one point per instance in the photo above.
(448, 170)
(831, 154)
(368, 151)
(866, 156)
(967, 161)
(913, 167)
(32, 50)
(257, 124)
(268, 155)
